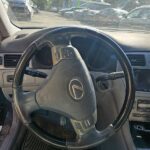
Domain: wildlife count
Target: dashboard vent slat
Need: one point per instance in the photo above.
(137, 59)
(1, 60)
(11, 60)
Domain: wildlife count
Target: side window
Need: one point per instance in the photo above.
(135, 14)
(145, 14)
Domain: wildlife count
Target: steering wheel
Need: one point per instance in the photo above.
(69, 89)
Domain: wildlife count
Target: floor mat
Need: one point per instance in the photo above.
(32, 142)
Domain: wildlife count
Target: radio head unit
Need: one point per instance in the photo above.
(142, 79)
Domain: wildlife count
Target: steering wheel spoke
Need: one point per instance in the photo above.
(87, 134)
(91, 138)
(83, 126)
(26, 104)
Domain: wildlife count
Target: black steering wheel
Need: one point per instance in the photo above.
(69, 89)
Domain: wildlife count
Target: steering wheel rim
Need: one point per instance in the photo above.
(85, 141)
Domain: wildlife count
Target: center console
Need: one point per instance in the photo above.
(142, 79)
(140, 114)
(140, 62)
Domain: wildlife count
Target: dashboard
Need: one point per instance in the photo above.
(89, 50)
(98, 58)
(141, 67)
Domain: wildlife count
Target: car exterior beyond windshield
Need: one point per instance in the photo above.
(129, 14)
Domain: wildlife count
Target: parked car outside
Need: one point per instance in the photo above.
(63, 11)
(108, 17)
(54, 9)
(96, 5)
(22, 9)
(89, 8)
(128, 4)
(137, 18)
(69, 14)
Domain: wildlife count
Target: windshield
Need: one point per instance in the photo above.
(123, 14)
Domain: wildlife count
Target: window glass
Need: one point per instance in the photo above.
(135, 14)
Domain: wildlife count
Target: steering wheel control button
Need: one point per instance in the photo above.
(63, 52)
(67, 53)
(85, 125)
(76, 89)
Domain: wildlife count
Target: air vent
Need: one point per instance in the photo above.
(11, 60)
(137, 59)
(1, 60)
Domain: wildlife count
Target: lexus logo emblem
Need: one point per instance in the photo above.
(76, 89)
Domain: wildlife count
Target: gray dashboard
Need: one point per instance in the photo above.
(128, 40)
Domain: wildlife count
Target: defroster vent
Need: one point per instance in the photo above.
(11, 60)
(137, 59)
